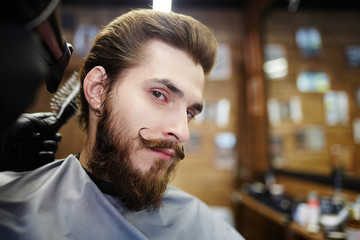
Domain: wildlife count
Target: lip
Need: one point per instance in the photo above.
(166, 154)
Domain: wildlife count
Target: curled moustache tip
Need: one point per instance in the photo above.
(141, 129)
(181, 153)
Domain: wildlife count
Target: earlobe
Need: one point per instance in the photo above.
(94, 86)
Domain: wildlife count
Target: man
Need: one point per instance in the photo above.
(142, 83)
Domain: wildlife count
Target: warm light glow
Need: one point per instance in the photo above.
(277, 68)
(162, 5)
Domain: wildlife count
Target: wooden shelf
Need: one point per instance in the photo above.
(296, 229)
(262, 209)
(292, 229)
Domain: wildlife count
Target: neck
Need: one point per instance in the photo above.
(85, 152)
(89, 143)
(83, 157)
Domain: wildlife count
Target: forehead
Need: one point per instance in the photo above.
(162, 61)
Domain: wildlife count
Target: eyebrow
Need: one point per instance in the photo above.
(197, 106)
(170, 86)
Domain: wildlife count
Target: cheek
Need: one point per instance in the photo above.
(128, 108)
(149, 117)
(139, 112)
(138, 115)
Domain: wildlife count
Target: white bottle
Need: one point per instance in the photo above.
(313, 215)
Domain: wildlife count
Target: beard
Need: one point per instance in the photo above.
(110, 160)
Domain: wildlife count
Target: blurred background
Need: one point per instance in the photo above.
(282, 107)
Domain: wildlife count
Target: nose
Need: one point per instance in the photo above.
(178, 128)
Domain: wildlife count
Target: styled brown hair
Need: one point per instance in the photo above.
(119, 45)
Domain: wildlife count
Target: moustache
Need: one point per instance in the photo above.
(162, 144)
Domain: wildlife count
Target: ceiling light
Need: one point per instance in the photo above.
(162, 5)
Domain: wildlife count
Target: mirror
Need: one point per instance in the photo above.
(312, 74)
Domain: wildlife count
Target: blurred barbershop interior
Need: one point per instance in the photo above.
(276, 150)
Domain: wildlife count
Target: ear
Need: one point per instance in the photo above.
(94, 87)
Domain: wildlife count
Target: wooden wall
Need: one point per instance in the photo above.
(197, 174)
(337, 29)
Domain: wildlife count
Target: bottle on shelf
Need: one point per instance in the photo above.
(313, 204)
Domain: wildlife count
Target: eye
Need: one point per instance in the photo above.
(158, 95)
(190, 115)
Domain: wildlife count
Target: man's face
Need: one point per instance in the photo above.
(161, 95)
(153, 101)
